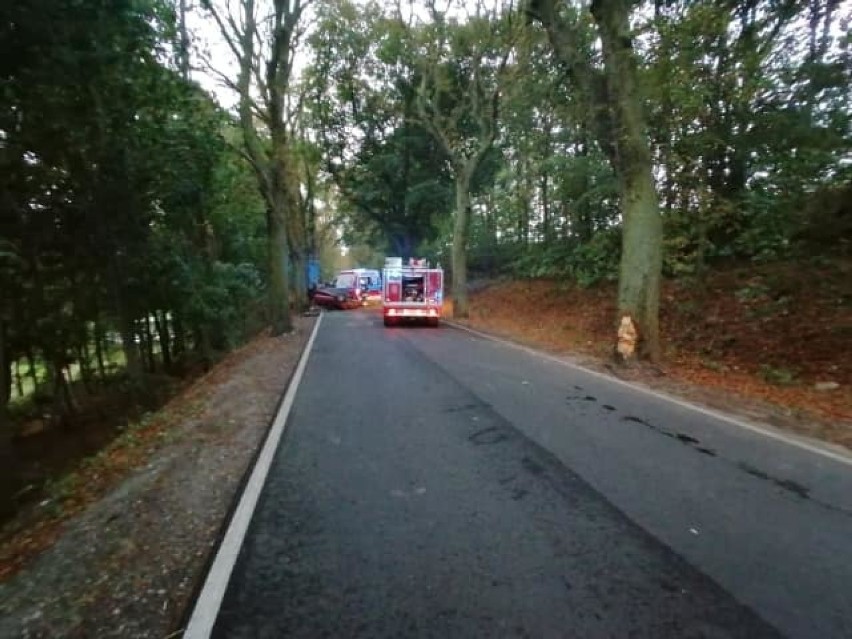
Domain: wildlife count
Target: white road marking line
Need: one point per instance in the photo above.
(209, 601)
(818, 448)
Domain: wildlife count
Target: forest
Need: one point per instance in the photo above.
(147, 227)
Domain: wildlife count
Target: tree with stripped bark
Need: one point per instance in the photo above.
(617, 108)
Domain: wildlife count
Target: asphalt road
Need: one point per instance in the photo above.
(432, 483)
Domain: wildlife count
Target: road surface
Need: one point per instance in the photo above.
(433, 483)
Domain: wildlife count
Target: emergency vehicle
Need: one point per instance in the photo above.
(362, 283)
(412, 291)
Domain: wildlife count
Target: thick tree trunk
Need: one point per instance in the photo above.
(297, 237)
(461, 307)
(300, 277)
(642, 230)
(272, 167)
(278, 289)
(282, 204)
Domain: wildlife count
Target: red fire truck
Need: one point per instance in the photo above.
(412, 291)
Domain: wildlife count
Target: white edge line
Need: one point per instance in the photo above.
(207, 605)
(767, 431)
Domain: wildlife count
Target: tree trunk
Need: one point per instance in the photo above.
(127, 323)
(271, 169)
(583, 214)
(278, 211)
(299, 263)
(5, 376)
(19, 381)
(149, 343)
(84, 358)
(461, 308)
(31, 368)
(63, 403)
(201, 336)
(528, 191)
(162, 327)
(545, 187)
(7, 458)
(297, 238)
(133, 362)
(523, 206)
(65, 388)
(179, 341)
(702, 238)
(278, 290)
(545, 205)
(642, 230)
(99, 350)
(183, 44)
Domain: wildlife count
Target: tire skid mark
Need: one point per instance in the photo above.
(465, 407)
(490, 435)
(581, 398)
(683, 438)
(788, 485)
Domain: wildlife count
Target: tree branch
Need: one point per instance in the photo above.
(230, 38)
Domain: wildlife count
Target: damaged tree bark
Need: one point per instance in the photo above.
(617, 117)
(642, 226)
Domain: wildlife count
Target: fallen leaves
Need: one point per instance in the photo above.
(774, 346)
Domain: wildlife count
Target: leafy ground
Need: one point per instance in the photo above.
(755, 340)
(118, 545)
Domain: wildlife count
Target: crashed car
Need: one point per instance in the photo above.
(335, 297)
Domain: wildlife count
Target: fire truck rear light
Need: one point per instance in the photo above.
(432, 312)
(392, 311)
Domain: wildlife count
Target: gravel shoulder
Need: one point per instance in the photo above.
(128, 564)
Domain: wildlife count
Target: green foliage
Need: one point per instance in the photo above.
(778, 376)
(121, 201)
(586, 264)
(750, 116)
(392, 177)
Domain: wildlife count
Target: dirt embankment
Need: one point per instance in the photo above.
(771, 342)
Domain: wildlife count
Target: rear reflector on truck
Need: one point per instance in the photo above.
(412, 312)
